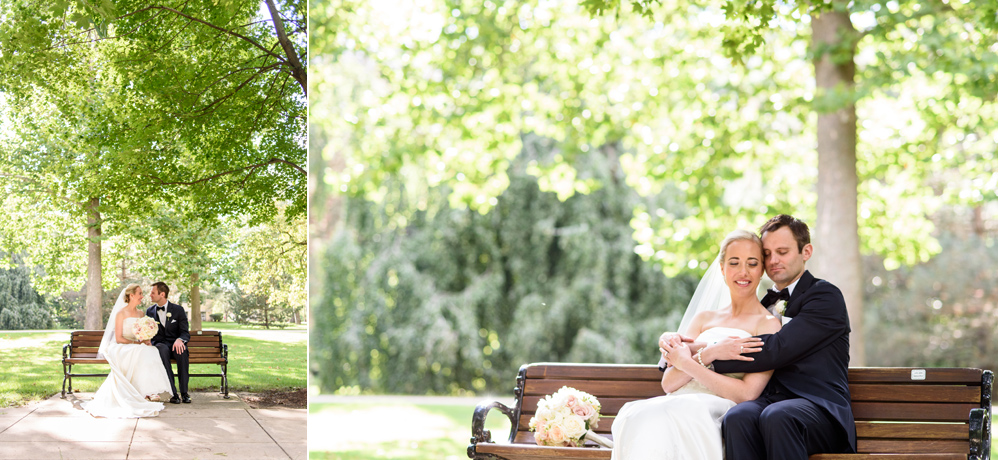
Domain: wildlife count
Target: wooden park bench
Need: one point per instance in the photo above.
(205, 347)
(909, 413)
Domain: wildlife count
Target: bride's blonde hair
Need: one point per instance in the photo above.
(738, 235)
(130, 291)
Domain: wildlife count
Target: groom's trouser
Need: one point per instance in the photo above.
(780, 426)
(183, 364)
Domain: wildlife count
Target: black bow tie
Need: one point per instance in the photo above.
(160, 308)
(772, 297)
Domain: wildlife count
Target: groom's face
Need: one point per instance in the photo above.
(155, 295)
(784, 262)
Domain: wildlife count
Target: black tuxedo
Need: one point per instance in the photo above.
(176, 327)
(810, 356)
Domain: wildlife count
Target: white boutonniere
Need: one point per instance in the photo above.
(780, 307)
(170, 315)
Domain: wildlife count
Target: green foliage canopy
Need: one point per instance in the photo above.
(449, 96)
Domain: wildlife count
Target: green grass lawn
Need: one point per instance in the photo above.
(220, 326)
(32, 366)
(427, 431)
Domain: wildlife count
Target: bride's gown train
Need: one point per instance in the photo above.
(136, 372)
(683, 425)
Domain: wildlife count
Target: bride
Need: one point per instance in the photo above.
(137, 372)
(686, 422)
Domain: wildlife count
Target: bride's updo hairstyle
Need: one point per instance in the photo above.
(130, 291)
(738, 235)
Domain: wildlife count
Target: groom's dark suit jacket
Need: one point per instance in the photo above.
(176, 324)
(811, 353)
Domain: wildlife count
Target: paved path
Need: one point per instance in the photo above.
(210, 427)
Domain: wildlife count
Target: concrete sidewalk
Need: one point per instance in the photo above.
(209, 427)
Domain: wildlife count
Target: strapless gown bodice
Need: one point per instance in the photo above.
(712, 336)
(128, 328)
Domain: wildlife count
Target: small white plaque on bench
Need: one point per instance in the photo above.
(918, 374)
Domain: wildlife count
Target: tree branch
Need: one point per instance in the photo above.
(213, 26)
(41, 188)
(271, 161)
(297, 70)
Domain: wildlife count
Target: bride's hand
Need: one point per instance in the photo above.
(677, 355)
(735, 348)
(672, 339)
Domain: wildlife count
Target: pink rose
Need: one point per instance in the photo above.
(571, 401)
(584, 410)
(556, 435)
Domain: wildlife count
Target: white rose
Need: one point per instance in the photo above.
(780, 307)
(574, 427)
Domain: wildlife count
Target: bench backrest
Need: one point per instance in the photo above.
(203, 345)
(896, 409)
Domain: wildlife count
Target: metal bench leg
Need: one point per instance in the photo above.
(65, 375)
(225, 381)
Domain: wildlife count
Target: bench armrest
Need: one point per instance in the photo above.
(980, 434)
(65, 351)
(478, 431)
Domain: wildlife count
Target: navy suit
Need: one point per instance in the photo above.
(176, 327)
(808, 395)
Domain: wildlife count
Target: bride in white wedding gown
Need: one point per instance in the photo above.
(686, 422)
(137, 372)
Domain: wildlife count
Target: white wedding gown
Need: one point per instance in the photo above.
(682, 425)
(136, 372)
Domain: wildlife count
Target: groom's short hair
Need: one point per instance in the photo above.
(162, 288)
(797, 227)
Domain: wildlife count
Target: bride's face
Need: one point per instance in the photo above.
(135, 298)
(742, 267)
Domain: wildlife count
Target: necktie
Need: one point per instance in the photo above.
(772, 297)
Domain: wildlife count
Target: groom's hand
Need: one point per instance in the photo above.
(178, 346)
(732, 349)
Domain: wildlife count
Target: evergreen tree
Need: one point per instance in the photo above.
(21, 307)
(421, 297)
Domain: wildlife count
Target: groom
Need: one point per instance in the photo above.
(805, 407)
(172, 337)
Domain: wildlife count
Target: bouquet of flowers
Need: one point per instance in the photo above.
(566, 418)
(145, 328)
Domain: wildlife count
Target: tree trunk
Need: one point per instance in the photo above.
(837, 257)
(95, 289)
(195, 319)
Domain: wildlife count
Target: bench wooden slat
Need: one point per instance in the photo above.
(602, 372)
(914, 393)
(909, 456)
(535, 452)
(925, 412)
(605, 424)
(903, 374)
(912, 446)
(607, 388)
(610, 406)
(911, 430)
